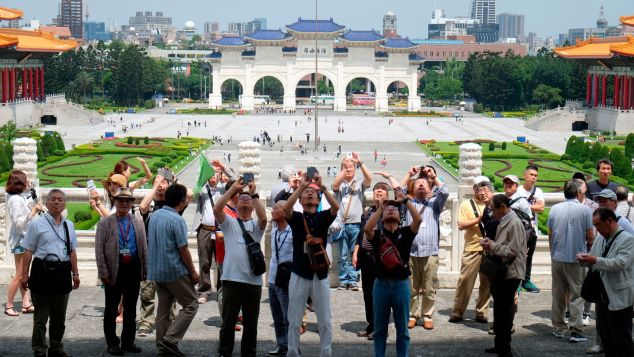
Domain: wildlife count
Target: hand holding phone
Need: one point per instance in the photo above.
(247, 177)
(311, 171)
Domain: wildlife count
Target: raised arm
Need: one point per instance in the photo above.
(368, 229)
(367, 178)
(219, 212)
(144, 206)
(148, 175)
(336, 183)
(260, 211)
(393, 183)
(416, 217)
(290, 202)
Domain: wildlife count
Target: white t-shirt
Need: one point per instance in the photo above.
(538, 196)
(236, 266)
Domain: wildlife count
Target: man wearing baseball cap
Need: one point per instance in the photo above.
(607, 198)
(511, 184)
(470, 216)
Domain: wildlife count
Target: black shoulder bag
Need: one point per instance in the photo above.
(593, 289)
(254, 251)
(283, 273)
(52, 276)
(475, 212)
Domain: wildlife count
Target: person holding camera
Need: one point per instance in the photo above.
(392, 243)
(51, 241)
(241, 286)
(309, 275)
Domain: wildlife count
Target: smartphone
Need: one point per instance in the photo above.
(311, 171)
(90, 185)
(247, 177)
(166, 173)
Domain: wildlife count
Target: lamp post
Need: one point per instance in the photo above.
(316, 139)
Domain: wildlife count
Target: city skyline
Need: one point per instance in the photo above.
(546, 18)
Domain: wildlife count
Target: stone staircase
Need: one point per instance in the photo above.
(558, 119)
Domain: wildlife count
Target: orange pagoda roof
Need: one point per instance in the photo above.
(7, 41)
(10, 14)
(627, 20)
(37, 41)
(595, 48)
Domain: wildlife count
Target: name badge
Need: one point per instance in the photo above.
(125, 256)
(124, 251)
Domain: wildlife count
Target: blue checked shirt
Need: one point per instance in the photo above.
(426, 242)
(167, 232)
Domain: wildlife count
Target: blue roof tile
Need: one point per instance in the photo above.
(230, 41)
(362, 36)
(267, 35)
(399, 43)
(310, 25)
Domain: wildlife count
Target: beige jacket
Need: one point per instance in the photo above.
(510, 241)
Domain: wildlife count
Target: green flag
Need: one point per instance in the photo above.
(204, 173)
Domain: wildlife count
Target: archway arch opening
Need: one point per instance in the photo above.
(360, 93)
(231, 90)
(397, 93)
(305, 90)
(268, 90)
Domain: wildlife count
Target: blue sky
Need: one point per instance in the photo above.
(545, 17)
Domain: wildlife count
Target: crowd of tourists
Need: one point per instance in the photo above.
(390, 246)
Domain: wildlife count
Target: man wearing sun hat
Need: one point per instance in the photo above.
(470, 215)
(121, 255)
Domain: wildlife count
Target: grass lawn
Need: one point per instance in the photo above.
(71, 208)
(552, 174)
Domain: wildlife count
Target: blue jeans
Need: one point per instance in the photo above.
(391, 295)
(347, 273)
(278, 299)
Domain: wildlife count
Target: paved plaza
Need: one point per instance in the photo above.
(84, 333)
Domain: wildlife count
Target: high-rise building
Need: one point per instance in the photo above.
(244, 28)
(441, 27)
(96, 31)
(211, 27)
(390, 25)
(148, 22)
(511, 26)
(483, 10)
(71, 15)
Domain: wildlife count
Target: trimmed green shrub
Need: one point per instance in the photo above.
(491, 146)
(146, 140)
(166, 160)
(504, 145)
(136, 141)
(82, 216)
(130, 140)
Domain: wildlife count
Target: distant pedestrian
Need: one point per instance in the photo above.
(229, 157)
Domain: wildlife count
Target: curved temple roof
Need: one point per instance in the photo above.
(37, 41)
(312, 25)
(10, 14)
(597, 48)
(362, 36)
(231, 41)
(627, 20)
(267, 35)
(399, 43)
(7, 41)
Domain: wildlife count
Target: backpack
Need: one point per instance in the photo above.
(527, 221)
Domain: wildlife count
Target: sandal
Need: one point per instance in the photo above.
(28, 309)
(10, 311)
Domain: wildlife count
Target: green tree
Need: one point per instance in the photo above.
(48, 145)
(550, 96)
(629, 145)
(8, 131)
(622, 165)
(84, 83)
(59, 142)
(40, 152)
(5, 165)
(491, 146)
(325, 88)
(595, 152)
(128, 78)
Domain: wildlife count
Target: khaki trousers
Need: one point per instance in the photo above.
(469, 271)
(182, 291)
(424, 280)
(567, 279)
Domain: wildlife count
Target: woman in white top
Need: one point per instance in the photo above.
(22, 210)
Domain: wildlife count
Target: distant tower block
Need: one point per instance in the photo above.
(390, 25)
(602, 22)
(250, 161)
(470, 163)
(25, 158)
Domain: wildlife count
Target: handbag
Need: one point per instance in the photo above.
(389, 257)
(593, 289)
(283, 272)
(494, 267)
(254, 251)
(317, 255)
(52, 276)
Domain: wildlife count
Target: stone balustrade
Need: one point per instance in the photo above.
(451, 243)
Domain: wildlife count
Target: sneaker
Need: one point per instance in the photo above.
(341, 287)
(558, 334)
(594, 350)
(577, 337)
(143, 332)
(528, 286)
(586, 319)
(354, 287)
(203, 299)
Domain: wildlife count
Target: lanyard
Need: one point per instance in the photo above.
(124, 229)
(54, 230)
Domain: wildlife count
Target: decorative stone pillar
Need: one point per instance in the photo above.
(250, 161)
(470, 162)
